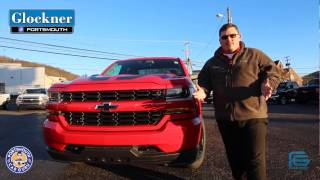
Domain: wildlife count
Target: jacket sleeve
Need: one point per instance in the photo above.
(204, 77)
(268, 69)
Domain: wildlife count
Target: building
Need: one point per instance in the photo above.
(288, 74)
(17, 78)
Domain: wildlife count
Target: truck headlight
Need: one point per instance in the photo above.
(177, 93)
(54, 96)
(43, 99)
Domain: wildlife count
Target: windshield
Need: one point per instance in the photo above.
(35, 91)
(282, 86)
(145, 67)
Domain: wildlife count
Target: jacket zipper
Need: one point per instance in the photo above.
(229, 84)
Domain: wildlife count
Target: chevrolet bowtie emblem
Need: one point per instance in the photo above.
(105, 106)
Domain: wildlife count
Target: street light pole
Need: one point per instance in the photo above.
(229, 15)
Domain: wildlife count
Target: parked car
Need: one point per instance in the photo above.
(137, 110)
(285, 93)
(310, 92)
(209, 98)
(4, 97)
(4, 100)
(32, 98)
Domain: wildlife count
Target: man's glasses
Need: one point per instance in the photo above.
(225, 37)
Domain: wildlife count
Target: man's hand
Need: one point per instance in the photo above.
(200, 94)
(266, 89)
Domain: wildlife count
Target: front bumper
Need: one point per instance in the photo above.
(35, 103)
(120, 155)
(171, 137)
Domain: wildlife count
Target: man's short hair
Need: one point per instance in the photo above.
(226, 26)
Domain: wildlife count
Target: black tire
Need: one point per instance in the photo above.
(301, 100)
(201, 150)
(283, 100)
(192, 160)
(5, 106)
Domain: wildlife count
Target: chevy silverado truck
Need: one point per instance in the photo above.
(136, 111)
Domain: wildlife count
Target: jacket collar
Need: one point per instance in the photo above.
(219, 51)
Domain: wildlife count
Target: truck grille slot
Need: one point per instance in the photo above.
(30, 99)
(113, 95)
(113, 118)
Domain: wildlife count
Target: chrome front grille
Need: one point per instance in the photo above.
(113, 118)
(30, 100)
(113, 95)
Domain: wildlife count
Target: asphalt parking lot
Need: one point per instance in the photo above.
(292, 127)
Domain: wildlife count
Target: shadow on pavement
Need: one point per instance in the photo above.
(134, 172)
(23, 130)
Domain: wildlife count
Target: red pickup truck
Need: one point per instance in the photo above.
(137, 110)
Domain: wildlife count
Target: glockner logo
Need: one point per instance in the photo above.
(19, 159)
(41, 20)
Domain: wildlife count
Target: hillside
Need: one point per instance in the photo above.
(49, 70)
(310, 76)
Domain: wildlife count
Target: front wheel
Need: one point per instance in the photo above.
(283, 100)
(6, 105)
(194, 159)
(201, 150)
(301, 100)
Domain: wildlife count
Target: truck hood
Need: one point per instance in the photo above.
(124, 82)
(159, 79)
(4, 95)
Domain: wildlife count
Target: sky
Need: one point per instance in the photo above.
(280, 28)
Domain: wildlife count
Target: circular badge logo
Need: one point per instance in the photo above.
(20, 29)
(19, 159)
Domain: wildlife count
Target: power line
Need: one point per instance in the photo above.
(155, 41)
(68, 47)
(305, 67)
(40, 47)
(36, 46)
(198, 62)
(210, 41)
(66, 54)
(89, 69)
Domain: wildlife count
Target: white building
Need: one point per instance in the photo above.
(18, 78)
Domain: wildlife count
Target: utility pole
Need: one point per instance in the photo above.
(188, 60)
(287, 59)
(187, 50)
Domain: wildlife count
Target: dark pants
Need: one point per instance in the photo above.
(245, 143)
